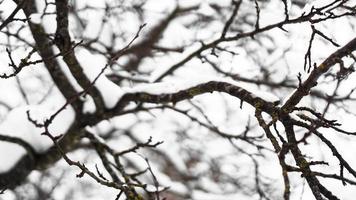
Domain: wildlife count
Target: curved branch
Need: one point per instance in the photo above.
(17, 174)
(19, 141)
(208, 87)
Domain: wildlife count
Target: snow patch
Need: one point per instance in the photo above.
(36, 18)
(17, 125)
(110, 92)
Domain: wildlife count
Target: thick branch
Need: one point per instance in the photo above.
(63, 42)
(71, 138)
(43, 46)
(307, 85)
(208, 87)
(19, 141)
(314, 184)
(17, 174)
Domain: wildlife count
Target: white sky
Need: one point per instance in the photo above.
(162, 127)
